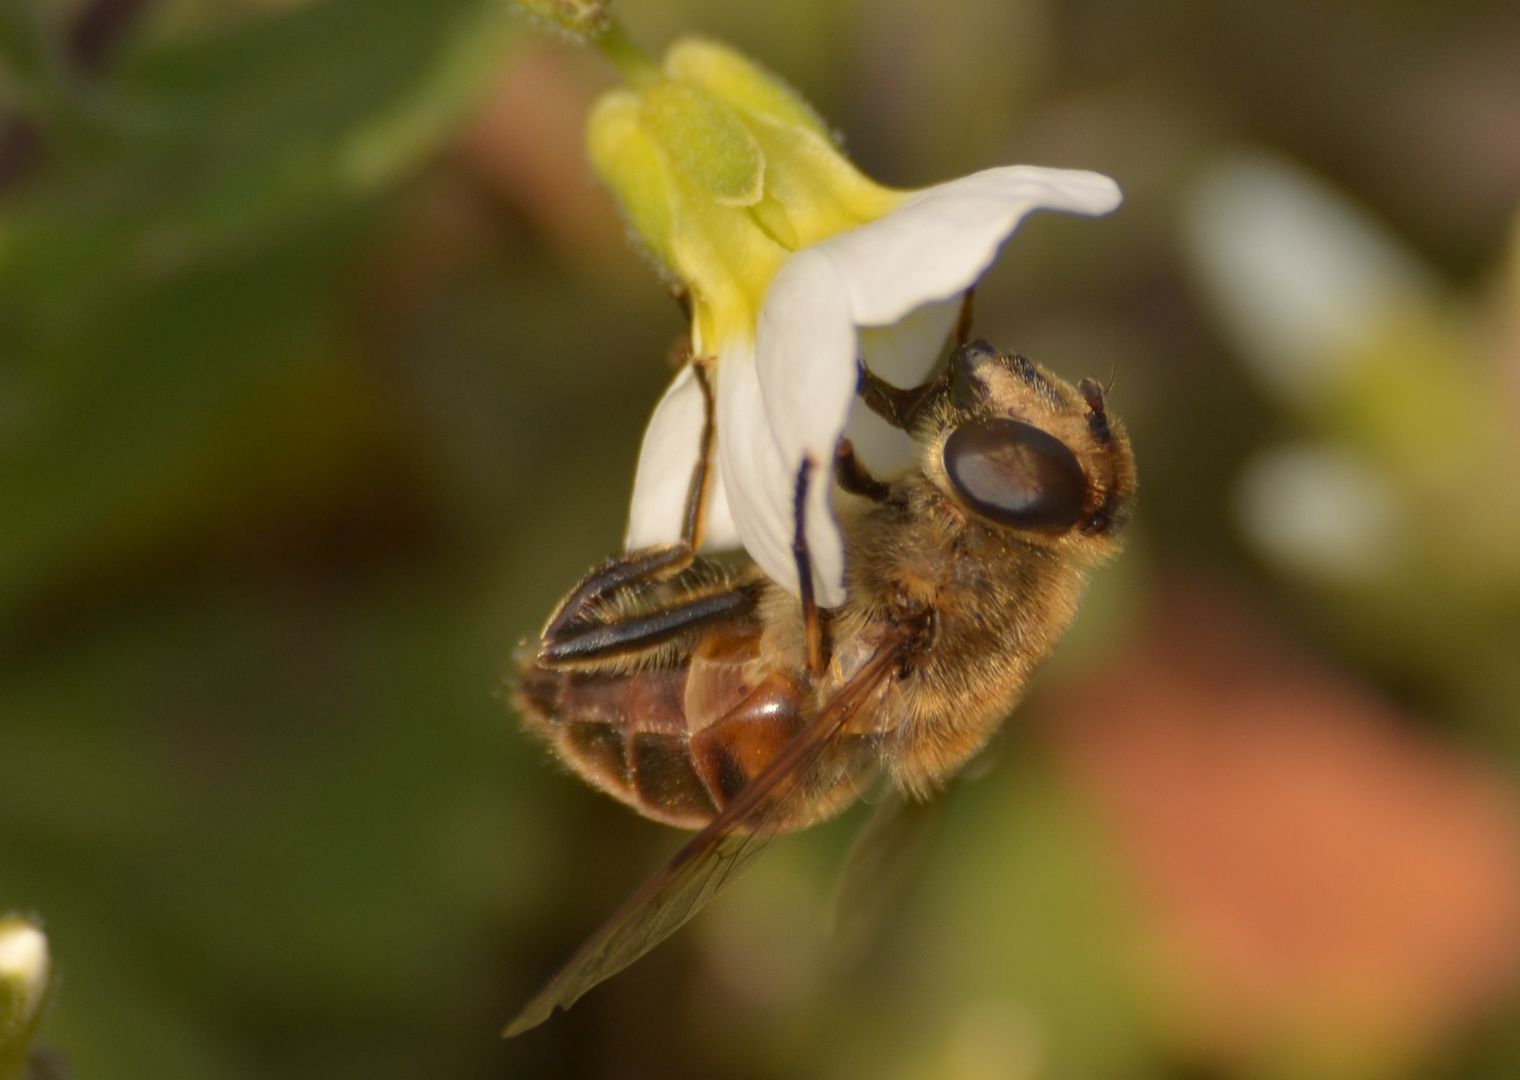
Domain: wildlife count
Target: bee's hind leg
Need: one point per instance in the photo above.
(628, 635)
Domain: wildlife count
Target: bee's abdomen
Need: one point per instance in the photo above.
(676, 744)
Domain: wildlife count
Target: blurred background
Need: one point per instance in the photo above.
(323, 365)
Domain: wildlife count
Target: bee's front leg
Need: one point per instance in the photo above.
(851, 474)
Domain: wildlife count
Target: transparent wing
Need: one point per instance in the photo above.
(715, 857)
(885, 861)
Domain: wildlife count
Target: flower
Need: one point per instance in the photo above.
(788, 253)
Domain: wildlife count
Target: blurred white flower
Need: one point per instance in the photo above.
(1300, 276)
(1323, 512)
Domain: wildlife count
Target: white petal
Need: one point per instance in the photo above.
(667, 459)
(805, 354)
(753, 471)
(880, 447)
(825, 542)
(720, 533)
(761, 484)
(904, 352)
(941, 240)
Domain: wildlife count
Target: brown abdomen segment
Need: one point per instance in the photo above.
(676, 744)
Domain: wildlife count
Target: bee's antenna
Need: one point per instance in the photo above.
(1113, 364)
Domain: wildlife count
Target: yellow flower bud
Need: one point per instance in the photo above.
(734, 78)
(706, 141)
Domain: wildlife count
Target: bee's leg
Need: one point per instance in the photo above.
(893, 404)
(851, 474)
(962, 332)
(695, 520)
(812, 620)
(571, 622)
(626, 636)
(622, 572)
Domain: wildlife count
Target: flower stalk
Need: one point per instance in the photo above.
(583, 19)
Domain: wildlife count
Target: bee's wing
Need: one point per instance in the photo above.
(716, 856)
(885, 860)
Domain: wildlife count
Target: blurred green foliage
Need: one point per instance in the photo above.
(309, 412)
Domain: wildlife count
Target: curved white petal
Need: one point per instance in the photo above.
(825, 541)
(720, 533)
(941, 240)
(761, 483)
(805, 362)
(667, 458)
(880, 447)
(904, 352)
(805, 355)
(752, 467)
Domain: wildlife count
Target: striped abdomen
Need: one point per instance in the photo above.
(677, 743)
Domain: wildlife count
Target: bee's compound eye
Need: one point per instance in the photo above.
(1016, 475)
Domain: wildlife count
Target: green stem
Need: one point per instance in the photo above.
(634, 66)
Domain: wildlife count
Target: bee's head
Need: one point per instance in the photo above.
(1020, 448)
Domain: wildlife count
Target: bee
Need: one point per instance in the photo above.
(705, 696)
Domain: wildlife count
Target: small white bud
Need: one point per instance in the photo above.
(1300, 276)
(26, 972)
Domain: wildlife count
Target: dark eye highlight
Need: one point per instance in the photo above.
(1016, 475)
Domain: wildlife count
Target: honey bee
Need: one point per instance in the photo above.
(705, 696)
